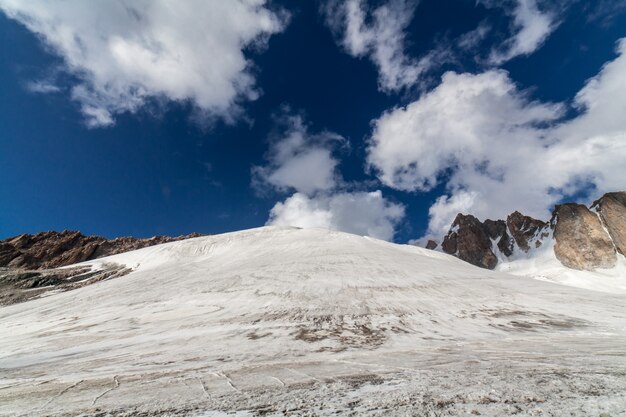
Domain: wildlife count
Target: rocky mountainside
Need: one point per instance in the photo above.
(582, 238)
(29, 264)
(54, 249)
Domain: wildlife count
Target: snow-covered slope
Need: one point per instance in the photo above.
(275, 319)
(541, 263)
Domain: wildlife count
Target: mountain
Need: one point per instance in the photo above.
(577, 237)
(54, 249)
(289, 322)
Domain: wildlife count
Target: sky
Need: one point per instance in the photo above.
(381, 118)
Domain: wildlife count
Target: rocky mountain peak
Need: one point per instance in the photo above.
(525, 229)
(469, 240)
(584, 238)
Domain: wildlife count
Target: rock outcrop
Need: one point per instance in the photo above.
(469, 240)
(583, 239)
(54, 249)
(524, 229)
(431, 244)
(612, 210)
(580, 240)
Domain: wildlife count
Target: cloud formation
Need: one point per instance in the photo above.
(306, 165)
(379, 35)
(498, 151)
(299, 160)
(361, 213)
(124, 53)
(532, 27)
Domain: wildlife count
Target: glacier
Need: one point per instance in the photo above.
(280, 321)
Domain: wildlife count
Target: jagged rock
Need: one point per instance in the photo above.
(54, 249)
(496, 230)
(431, 244)
(469, 240)
(525, 228)
(583, 240)
(580, 240)
(612, 210)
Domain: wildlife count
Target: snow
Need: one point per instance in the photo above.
(541, 263)
(283, 321)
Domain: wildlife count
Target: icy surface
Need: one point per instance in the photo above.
(541, 263)
(282, 321)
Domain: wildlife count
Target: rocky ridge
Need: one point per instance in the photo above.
(55, 249)
(584, 238)
(30, 265)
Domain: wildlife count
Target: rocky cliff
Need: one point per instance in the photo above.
(580, 241)
(612, 210)
(54, 249)
(583, 238)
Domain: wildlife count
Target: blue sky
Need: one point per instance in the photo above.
(383, 118)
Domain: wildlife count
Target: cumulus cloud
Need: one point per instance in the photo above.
(446, 208)
(124, 53)
(299, 160)
(498, 151)
(306, 165)
(379, 34)
(361, 213)
(532, 27)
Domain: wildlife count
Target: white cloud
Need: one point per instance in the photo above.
(497, 151)
(305, 164)
(42, 87)
(463, 120)
(472, 39)
(446, 208)
(532, 26)
(361, 213)
(379, 34)
(124, 53)
(299, 160)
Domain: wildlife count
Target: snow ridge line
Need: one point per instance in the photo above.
(230, 381)
(204, 388)
(117, 384)
(61, 393)
(279, 380)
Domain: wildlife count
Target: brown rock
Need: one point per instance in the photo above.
(524, 228)
(612, 210)
(469, 240)
(581, 241)
(54, 249)
(496, 230)
(431, 244)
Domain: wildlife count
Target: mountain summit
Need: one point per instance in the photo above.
(580, 238)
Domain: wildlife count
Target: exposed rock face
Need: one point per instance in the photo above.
(524, 229)
(54, 249)
(469, 240)
(496, 230)
(18, 285)
(431, 244)
(583, 239)
(612, 210)
(580, 240)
